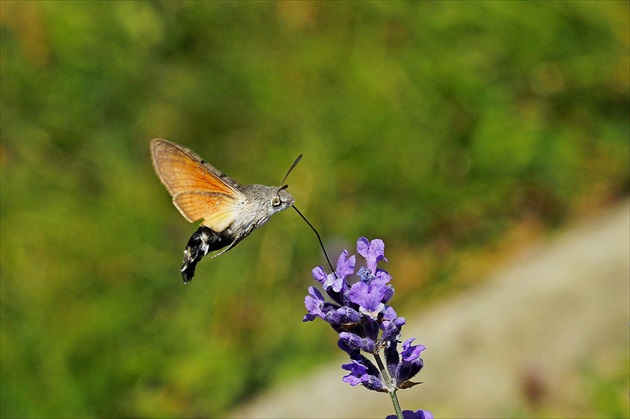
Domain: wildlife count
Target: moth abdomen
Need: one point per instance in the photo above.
(202, 242)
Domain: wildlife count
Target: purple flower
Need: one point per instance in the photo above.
(411, 353)
(369, 298)
(314, 303)
(373, 251)
(365, 373)
(345, 264)
(357, 372)
(337, 280)
(410, 414)
(411, 364)
(391, 325)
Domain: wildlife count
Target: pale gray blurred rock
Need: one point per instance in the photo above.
(533, 332)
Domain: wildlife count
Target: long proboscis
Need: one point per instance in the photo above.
(318, 238)
(321, 243)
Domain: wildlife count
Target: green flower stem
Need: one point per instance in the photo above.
(391, 389)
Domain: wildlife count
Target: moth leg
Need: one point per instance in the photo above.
(232, 244)
(202, 241)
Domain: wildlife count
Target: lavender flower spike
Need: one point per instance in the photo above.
(360, 314)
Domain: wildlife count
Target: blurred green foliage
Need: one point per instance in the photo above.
(432, 125)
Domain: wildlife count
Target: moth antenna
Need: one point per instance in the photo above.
(311, 226)
(290, 170)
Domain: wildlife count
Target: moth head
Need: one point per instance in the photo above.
(282, 199)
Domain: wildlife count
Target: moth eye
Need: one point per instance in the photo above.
(275, 201)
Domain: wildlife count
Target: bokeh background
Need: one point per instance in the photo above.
(455, 131)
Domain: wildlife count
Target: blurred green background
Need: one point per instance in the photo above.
(449, 129)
